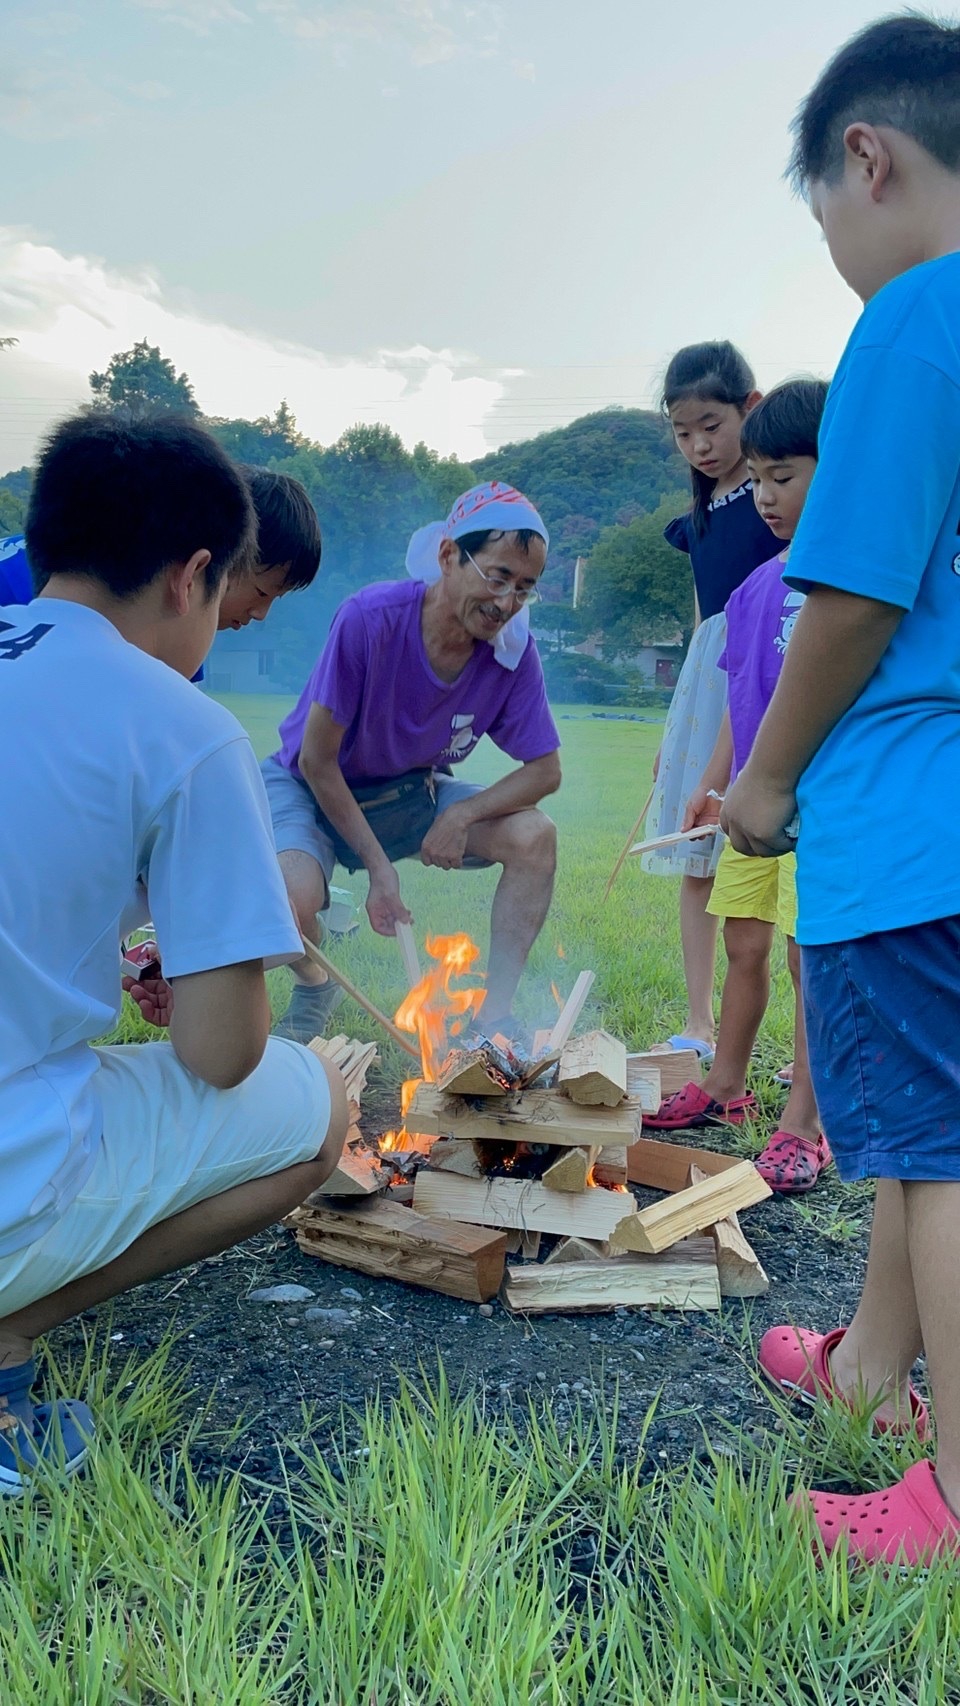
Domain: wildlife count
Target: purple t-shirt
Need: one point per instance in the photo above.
(373, 676)
(760, 618)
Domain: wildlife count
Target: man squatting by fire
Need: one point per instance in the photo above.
(413, 674)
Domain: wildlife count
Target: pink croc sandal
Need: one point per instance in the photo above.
(691, 1107)
(906, 1524)
(791, 1164)
(799, 1361)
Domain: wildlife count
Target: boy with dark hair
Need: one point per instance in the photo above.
(117, 1164)
(863, 734)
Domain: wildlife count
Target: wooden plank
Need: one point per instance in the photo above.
(741, 1272)
(646, 1086)
(682, 1278)
(574, 1250)
(701, 832)
(593, 1069)
(466, 1073)
(525, 1204)
(610, 1166)
(389, 1241)
(678, 1216)
(571, 1011)
(408, 949)
(676, 1066)
(538, 1116)
(662, 1166)
(452, 1157)
(569, 1173)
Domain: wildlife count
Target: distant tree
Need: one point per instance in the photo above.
(264, 441)
(564, 625)
(141, 378)
(637, 588)
(12, 513)
(8, 343)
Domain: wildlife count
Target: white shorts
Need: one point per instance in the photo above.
(170, 1141)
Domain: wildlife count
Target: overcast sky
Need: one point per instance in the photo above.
(472, 219)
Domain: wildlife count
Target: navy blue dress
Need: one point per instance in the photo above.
(734, 543)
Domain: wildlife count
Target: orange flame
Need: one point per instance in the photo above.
(561, 951)
(434, 1011)
(558, 998)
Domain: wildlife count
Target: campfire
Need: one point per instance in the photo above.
(501, 1146)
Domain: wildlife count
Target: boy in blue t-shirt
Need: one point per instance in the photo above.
(863, 738)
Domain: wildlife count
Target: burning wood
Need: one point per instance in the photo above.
(538, 1116)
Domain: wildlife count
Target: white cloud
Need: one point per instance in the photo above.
(432, 32)
(71, 313)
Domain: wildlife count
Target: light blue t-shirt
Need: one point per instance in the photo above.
(877, 849)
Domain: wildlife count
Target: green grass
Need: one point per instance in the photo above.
(440, 1554)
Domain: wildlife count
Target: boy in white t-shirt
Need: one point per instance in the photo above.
(127, 795)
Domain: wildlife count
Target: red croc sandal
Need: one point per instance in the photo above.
(691, 1107)
(799, 1361)
(906, 1524)
(791, 1164)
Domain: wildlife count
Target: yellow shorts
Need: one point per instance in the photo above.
(756, 888)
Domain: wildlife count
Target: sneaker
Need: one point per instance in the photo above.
(58, 1435)
(791, 1164)
(309, 1011)
(691, 1107)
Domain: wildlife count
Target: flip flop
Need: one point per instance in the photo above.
(785, 1075)
(909, 1523)
(799, 1361)
(701, 1048)
(692, 1106)
(791, 1164)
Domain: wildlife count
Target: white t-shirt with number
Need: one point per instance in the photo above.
(125, 794)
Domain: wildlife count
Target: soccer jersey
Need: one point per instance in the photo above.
(16, 584)
(883, 521)
(125, 796)
(374, 677)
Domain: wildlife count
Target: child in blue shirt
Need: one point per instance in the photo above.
(863, 738)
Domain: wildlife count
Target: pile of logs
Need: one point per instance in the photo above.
(510, 1154)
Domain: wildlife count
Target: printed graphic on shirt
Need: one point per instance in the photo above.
(791, 608)
(13, 645)
(462, 736)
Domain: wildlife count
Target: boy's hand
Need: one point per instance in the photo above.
(385, 909)
(702, 807)
(755, 815)
(154, 997)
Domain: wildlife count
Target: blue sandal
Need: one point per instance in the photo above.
(696, 1043)
(58, 1434)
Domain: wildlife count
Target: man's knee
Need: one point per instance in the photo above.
(530, 838)
(306, 885)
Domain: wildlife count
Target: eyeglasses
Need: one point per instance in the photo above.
(498, 586)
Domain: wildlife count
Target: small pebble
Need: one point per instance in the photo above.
(349, 1291)
(486, 1309)
(281, 1294)
(325, 1344)
(329, 1317)
(291, 1320)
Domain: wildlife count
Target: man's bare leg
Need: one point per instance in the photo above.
(187, 1237)
(525, 844)
(307, 888)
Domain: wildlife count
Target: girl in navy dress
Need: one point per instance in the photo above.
(708, 390)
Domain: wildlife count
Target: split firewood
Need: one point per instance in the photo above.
(739, 1267)
(538, 1116)
(682, 1278)
(676, 1067)
(592, 1213)
(678, 1216)
(610, 1166)
(662, 1166)
(357, 1173)
(389, 1241)
(573, 1250)
(468, 1072)
(593, 1069)
(570, 1013)
(452, 1157)
(525, 1244)
(570, 1172)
